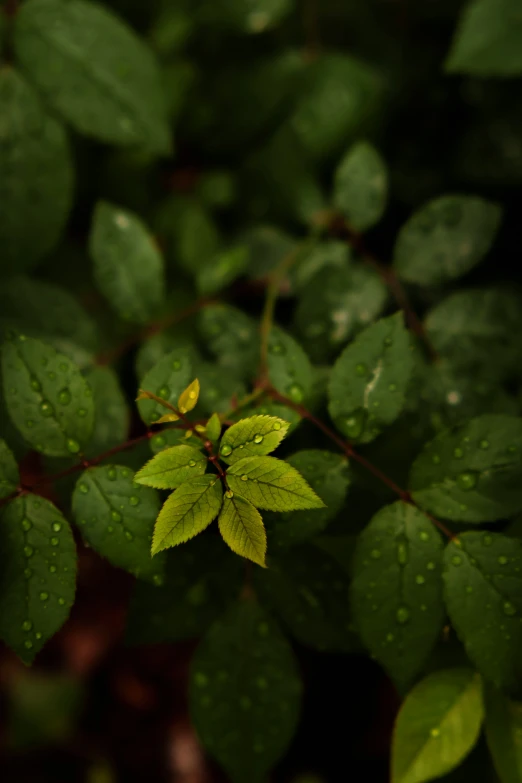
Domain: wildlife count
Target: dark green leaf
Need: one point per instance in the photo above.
(397, 589)
(171, 467)
(202, 578)
(319, 257)
(309, 591)
(127, 264)
(245, 692)
(222, 270)
(116, 517)
(328, 475)
(471, 473)
(111, 414)
(187, 511)
(503, 732)
(289, 367)
(167, 379)
(361, 186)
(47, 398)
(9, 476)
(94, 71)
(36, 176)
(437, 726)
(445, 239)
(254, 436)
(256, 17)
(483, 594)
(158, 346)
(38, 574)
(267, 247)
(487, 40)
(241, 526)
(369, 381)
(232, 337)
(218, 389)
(193, 234)
(271, 484)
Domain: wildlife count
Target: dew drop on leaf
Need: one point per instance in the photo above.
(64, 397)
(509, 608)
(73, 446)
(244, 477)
(456, 560)
(57, 526)
(403, 615)
(44, 596)
(134, 500)
(375, 553)
(28, 551)
(226, 450)
(83, 488)
(26, 525)
(502, 560)
(258, 439)
(467, 480)
(115, 516)
(54, 541)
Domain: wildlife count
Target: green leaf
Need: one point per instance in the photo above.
(221, 270)
(369, 380)
(47, 398)
(309, 591)
(336, 304)
(171, 467)
(188, 399)
(289, 367)
(483, 594)
(252, 437)
(397, 589)
(111, 414)
(478, 330)
(167, 379)
(241, 526)
(219, 389)
(329, 476)
(127, 264)
(244, 668)
(318, 257)
(445, 239)
(115, 96)
(471, 473)
(9, 475)
(437, 726)
(257, 17)
(267, 246)
(271, 484)
(36, 176)
(38, 574)
(503, 731)
(116, 518)
(487, 40)
(50, 313)
(232, 337)
(278, 410)
(196, 239)
(187, 511)
(213, 428)
(361, 186)
(203, 576)
(159, 345)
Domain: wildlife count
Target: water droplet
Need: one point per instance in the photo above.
(295, 392)
(467, 480)
(392, 387)
(111, 474)
(456, 560)
(502, 560)
(52, 569)
(26, 525)
(28, 551)
(200, 679)
(134, 500)
(258, 439)
(27, 625)
(244, 477)
(57, 526)
(64, 397)
(431, 566)
(35, 385)
(424, 536)
(435, 733)
(38, 635)
(82, 412)
(277, 348)
(44, 596)
(229, 493)
(226, 450)
(403, 615)
(83, 488)
(484, 444)
(55, 541)
(354, 423)
(375, 553)
(128, 535)
(192, 463)
(487, 540)
(61, 601)
(277, 426)
(115, 516)
(509, 608)
(29, 423)
(361, 370)
(435, 459)
(420, 579)
(458, 453)
(390, 637)
(28, 573)
(73, 446)
(125, 473)
(157, 580)
(28, 644)
(402, 553)
(469, 589)
(163, 392)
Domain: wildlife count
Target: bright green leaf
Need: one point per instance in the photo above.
(36, 176)
(167, 379)
(445, 239)
(221, 270)
(361, 186)
(369, 381)
(188, 399)
(38, 574)
(289, 367)
(213, 428)
(202, 578)
(241, 526)
(115, 96)
(171, 467)
(483, 594)
(252, 437)
(187, 511)
(111, 413)
(487, 40)
(471, 473)
(232, 337)
(116, 518)
(9, 476)
(437, 726)
(329, 476)
(47, 398)
(271, 484)
(127, 263)
(503, 732)
(245, 667)
(397, 589)
(309, 591)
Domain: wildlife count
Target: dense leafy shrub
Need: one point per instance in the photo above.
(260, 239)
